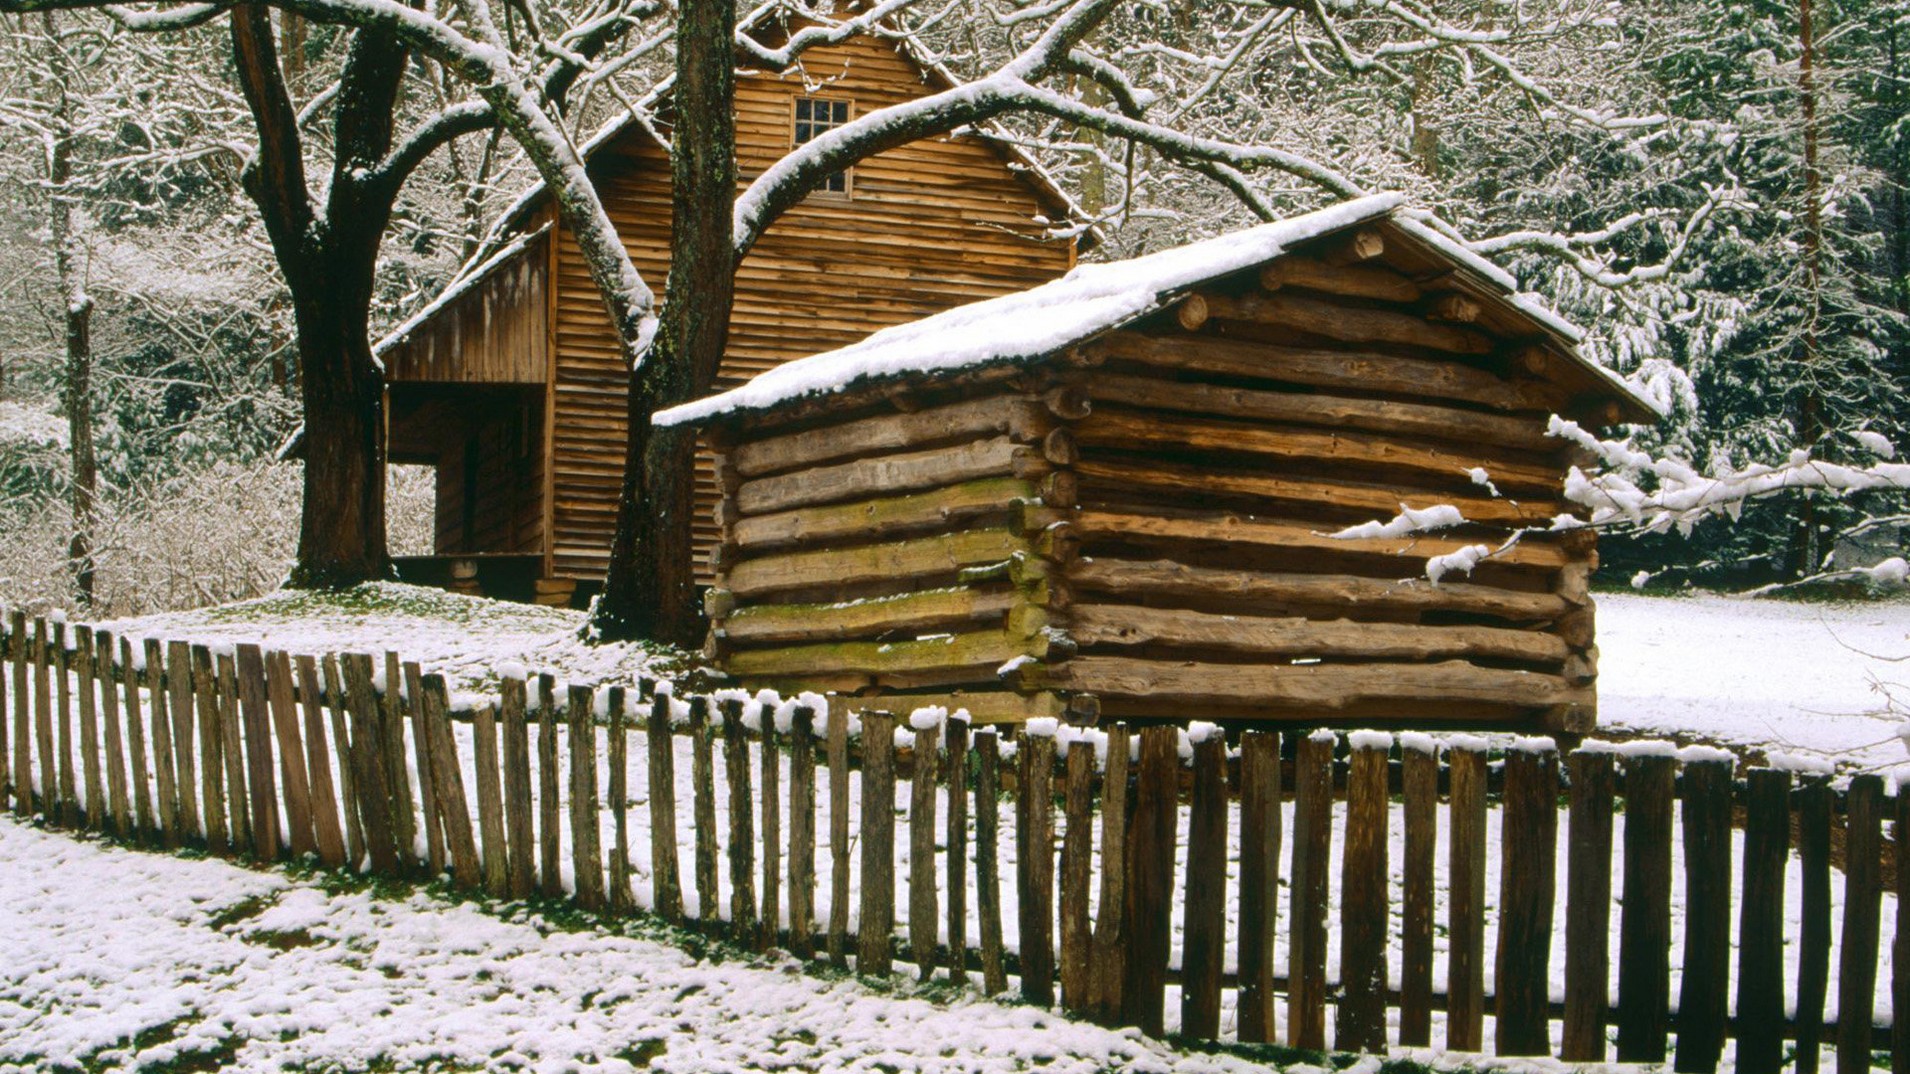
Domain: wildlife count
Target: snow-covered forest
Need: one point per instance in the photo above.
(1715, 190)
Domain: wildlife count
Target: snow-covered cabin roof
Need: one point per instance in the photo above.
(1092, 299)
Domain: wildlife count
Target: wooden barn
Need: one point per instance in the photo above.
(510, 386)
(1129, 492)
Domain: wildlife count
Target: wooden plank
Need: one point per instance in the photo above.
(369, 778)
(1034, 865)
(402, 803)
(987, 870)
(742, 825)
(1259, 881)
(1019, 418)
(66, 778)
(140, 786)
(1360, 1024)
(490, 801)
(924, 907)
(586, 856)
(348, 800)
(1355, 281)
(703, 812)
(261, 784)
(1466, 910)
(105, 676)
(882, 516)
(1322, 688)
(1419, 786)
(802, 832)
(919, 610)
(941, 555)
(1760, 980)
(519, 812)
(1348, 324)
(955, 733)
(1588, 904)
(423, 749)
(42, 662)
(1150, 881)
(212, 769)
(1863, 898)
(883, 475)
(22, 772)
(1128, 626)
(621, 899)
(1813, 950)
(1323, 409)
(232, 734)
(1644, 927)
(1312, 836)
(165, 775)
(1527, 882)
(771, 760)
(178, 679)
(95, 803)
(666, 884)
(327, 834)
(294, 779)
(1077, 874)
(1275, 593)
(838, 756)
(1899, 946)
(1203, 949)
(1254, 532)
(1107, 959)
(550, 828)
(1705, 981)
(12, 699)
(876, 922)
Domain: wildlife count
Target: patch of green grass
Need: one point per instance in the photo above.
(244, 910)
(281, 939)
(644, 1052)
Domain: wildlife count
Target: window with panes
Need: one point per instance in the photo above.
(813, 116)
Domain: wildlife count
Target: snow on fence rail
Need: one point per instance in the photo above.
(261, 754)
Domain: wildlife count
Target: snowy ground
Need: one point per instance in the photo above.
(1756, 674)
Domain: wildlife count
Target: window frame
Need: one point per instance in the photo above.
(847, 193)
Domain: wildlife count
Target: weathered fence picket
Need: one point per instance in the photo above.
(666, 884)
(924, 919)
(876, 923)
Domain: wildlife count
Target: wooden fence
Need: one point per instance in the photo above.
(1121, 843)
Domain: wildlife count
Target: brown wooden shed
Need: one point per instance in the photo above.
(1125, 492)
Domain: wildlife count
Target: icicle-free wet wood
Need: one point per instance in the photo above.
(987, 869)
(1077, 864)
(1203, 948)
(666, 884)
(424, 749)
(1466, 923)
(1760, 979)
(69, 811)
(1705, 981)
(1857, 948)
(802, 832)
(876, 922)
(1312, 835)
(1034, 867)
(1527, 887)
(1588, 907)
(1150, 880)
(1644, 931)
(1419, 786)
(1259, 870)
(924, 911)
(838, 749)
(1361, 1022)
(519, 812)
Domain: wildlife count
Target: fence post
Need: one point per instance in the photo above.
(1203, 949)
(9, 682)
(1644, 926)
(292, 771)
(620, 896)
(490, 801)
(742, 827)
(1588, 904)
(987, 867)
(165, 775)
(369, 778)
(1767, 844)
(1259, 877)
(703, 812)
(1813, 950)
(22, 716)
(89, 728)
(1465, 968)
(1306, 969)
(772, 832)
(1077, 863)
(115, 732)
(1361, 1022)
(1107, 963)
(1419, 792)
(550, 830)
(178, 677)
(348, 799)
(877, 921)
(518, 809)
(260, 784)
(404, 817)
(1034, 861)
(838, 942)
(586, 854)
(1863, 897)
(667, 886)
(43, 719)
(212, 775)
(1150, 880)
(955, 734)
(1900, 945)
(1527, 882)
(1704, 988)
(424, 752)
(326, 832)
(802, 832)
(924, 908)
(63, 693)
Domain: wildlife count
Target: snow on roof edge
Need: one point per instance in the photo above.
(456, 289)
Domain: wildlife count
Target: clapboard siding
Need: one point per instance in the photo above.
(494, 332)
(931, 225)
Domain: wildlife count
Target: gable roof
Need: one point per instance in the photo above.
(1026, 326)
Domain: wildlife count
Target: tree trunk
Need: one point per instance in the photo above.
(69, 264)
(341, 537)
(1802, 557)
(649, 590)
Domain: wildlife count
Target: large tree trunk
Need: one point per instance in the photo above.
(341, 538)
(69, 265)
(649, 590)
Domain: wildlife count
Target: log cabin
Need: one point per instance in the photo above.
(1167, 488)
(509, 383)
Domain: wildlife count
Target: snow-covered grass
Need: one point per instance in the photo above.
(1756, 676)
(463, 638)
(30, 425)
